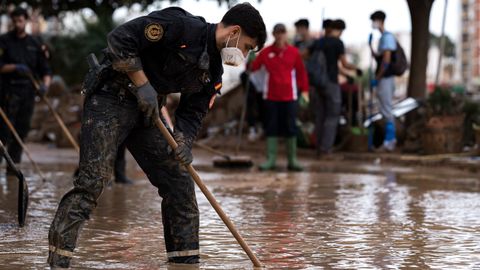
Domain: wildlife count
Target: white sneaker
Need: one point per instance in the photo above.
(252, 134)
(390, 145)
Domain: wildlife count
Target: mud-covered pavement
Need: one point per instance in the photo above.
(337, 215)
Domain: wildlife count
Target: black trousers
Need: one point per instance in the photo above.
(254, 103)
(120, 163)
(18, 101)
(109, 121)
(280, 118)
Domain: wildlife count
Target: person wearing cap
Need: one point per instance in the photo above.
(286, 82)
(384, 81)
(330, 99)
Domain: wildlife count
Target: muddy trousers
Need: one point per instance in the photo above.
(18, 105)
(108, 121)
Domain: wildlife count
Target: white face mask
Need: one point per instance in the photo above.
(232, 56)
(375, 24)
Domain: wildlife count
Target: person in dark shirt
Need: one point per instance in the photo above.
(330, 99)
(167, 51)
(21, 56)
(302, 40)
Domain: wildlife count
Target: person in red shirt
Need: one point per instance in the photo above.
(286, 78)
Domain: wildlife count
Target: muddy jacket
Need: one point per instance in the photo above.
(178, 53)
(28, 51)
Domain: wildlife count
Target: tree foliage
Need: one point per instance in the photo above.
(100, 7)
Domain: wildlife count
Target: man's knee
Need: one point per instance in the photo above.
(91, 184)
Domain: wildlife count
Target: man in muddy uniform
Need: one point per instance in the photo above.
(166, 51)
(21, 56)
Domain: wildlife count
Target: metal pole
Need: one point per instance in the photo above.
(442, 44)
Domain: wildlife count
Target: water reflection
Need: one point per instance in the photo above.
(328, 220)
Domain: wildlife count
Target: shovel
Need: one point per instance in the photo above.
(22, 187)
(171, 141)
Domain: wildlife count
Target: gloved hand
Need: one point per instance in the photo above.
(42, 90)
(147, 101)
(183, 153)
(359, 72)
(22, 68)
(374, 83)
(304, 100)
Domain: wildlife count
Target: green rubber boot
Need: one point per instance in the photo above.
(271, 155)
(293, 164)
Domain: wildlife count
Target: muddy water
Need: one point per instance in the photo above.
(321, 220)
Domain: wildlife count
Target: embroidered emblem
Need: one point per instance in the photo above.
(154, 32)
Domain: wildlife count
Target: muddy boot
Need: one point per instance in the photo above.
(271, 155)
(293, 164)
(185, 260)
(57, 261)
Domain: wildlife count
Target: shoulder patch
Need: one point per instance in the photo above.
(154, 32)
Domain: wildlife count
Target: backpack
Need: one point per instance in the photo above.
(316, 66)
(399, 62)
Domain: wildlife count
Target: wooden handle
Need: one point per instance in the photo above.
(19, 140)
(210, 196)
(56, 115)
(211, 150)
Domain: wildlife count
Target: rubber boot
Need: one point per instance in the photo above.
(390, 136)
(270, 164)
(293, 164)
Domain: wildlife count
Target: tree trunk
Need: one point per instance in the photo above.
(420, 18)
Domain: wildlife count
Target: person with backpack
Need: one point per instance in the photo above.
(331, 49)
(391, 61)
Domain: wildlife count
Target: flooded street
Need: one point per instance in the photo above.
(341, 216)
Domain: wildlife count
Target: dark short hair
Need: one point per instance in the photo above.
(378, 16)
(302, 22)
(339, 25)
(249, 19)
(279, 28)
(17, 12)
(327, 23)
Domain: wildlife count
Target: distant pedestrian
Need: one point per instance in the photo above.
(255, 108)
(330, 99)
(21, 57)
(384, 80)
(303, 39)
(286, 76)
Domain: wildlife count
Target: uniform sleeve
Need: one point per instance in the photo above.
(301, 73)
(192, 109)
(126, 41)
(190, 113)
